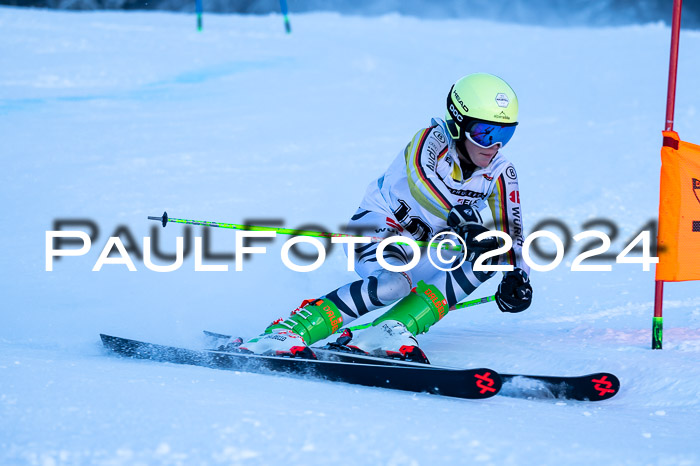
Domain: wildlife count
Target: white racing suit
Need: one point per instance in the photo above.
(413, 198)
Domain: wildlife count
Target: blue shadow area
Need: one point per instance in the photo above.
(149, 91)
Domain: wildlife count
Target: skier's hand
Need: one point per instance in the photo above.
(514, 293)
(468, 224)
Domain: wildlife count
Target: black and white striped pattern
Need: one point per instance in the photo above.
(379, 288)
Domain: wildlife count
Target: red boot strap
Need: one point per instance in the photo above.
(413, 353)
(302, 352)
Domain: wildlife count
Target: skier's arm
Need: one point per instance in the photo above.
(504, 202)
(514, 292)
(423, 153)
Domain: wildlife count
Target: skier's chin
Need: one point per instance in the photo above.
(479, 156)
(483, 161)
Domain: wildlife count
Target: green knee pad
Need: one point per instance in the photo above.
(419, 310)
(313, 322)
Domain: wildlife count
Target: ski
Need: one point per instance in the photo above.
(461, 383)
(591, 387)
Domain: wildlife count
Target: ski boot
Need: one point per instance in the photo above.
(387, 339)
(392, 335)
(314, 320)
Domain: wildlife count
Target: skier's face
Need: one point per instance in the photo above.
(480, 156)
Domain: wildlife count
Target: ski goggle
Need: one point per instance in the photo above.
(482, 133)
(487, 135)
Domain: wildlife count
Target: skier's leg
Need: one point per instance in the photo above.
(378, 287)
(317, 319)
(431, 300)
(393, 333)
(457, 284)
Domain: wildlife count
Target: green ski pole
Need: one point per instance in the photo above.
(164, 219)
(474, 302)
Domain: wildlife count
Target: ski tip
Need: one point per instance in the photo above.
(108, 341)
(209, 334)
(591, 387)
(603, 385)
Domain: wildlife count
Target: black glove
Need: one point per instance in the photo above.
(514, 293)
(467, 223)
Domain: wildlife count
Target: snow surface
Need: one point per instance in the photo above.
(117, 116)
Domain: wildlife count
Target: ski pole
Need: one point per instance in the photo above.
(164, 219)
(473, 302)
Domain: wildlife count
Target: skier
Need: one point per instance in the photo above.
(445, 176)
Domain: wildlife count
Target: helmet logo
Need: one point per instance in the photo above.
(502, 100)
(458, 99)
(502, 116)
(457, 116)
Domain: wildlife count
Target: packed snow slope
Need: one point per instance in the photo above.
(112, 117)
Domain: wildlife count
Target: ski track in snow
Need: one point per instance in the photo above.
(115, 116)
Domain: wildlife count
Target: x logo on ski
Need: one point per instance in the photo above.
(602, 385)
(485, 382)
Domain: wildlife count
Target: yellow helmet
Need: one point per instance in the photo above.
(483, 108)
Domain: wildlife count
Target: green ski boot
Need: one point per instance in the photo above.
(393, 333)
(314, 320)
